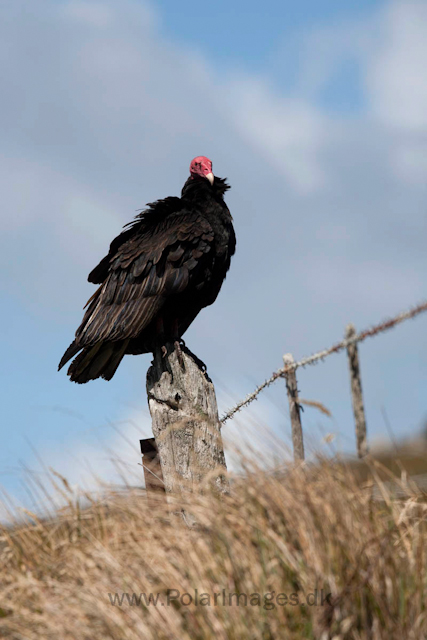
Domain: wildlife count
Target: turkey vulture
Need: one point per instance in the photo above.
(167, 264)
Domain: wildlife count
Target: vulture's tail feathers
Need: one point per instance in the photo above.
(115, 360)
(101, 360)
(70, 352)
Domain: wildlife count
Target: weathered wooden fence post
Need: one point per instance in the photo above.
(294, 409)
(356, 393)
(185, 422)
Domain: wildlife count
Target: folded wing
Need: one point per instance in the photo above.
(145, 266)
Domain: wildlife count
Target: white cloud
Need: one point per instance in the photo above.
(410, 162)
(373, 284)
(95, 14)
(288, 132)
(50, 222)
(396, 79)
(397, 74)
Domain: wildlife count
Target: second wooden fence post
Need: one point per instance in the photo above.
(294, 409)
(356, 393)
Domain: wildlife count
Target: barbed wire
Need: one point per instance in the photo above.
(321, 355)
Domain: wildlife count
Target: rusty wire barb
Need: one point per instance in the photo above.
(320, 355)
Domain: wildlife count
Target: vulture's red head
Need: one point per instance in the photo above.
(202, 167)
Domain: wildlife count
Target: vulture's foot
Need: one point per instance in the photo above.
(203, 368)
(178, 352)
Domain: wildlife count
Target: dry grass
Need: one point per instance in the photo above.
(310, 528)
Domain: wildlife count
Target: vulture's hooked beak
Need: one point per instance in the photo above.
(210, 177)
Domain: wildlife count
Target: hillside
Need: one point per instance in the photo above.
(260, 563)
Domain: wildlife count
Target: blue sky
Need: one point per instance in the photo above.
(317, 114)
(248, 34)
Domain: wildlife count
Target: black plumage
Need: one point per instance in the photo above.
(167, 265)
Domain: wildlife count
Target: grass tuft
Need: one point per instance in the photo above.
(304, 533)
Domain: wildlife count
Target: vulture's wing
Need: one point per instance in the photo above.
(151, 264)
(153, 216)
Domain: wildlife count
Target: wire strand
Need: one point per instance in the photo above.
(321, 355)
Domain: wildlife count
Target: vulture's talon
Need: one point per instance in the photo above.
(164, 352)
(203, 368)
(179, 353)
